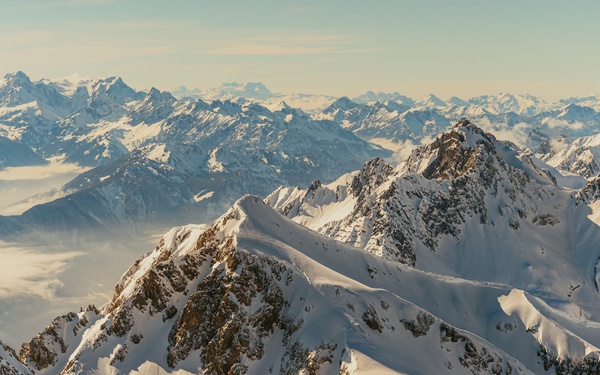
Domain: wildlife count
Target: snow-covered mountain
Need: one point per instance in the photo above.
(463, 201)
(90, 121)
(255, 92)
(575, 155)
(188, 161)
(211, 153)
(16, 154)
(476, 262)
(62, 120)
(521, 104)
(592, 101)
(430, 101)
(234, 90)
(388, 121)
(372, 97)
(521, 118)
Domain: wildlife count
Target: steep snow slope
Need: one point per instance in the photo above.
(256, 293)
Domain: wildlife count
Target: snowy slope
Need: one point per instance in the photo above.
(256, 293)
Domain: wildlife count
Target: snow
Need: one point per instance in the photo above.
(200, 197)
(160, 154)
(213, 164)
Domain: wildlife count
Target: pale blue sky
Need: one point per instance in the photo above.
(446, 47)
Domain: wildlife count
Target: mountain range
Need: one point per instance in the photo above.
(379, 228)
(161, 160)
(242, 139)
(102, 122)
(469, 257)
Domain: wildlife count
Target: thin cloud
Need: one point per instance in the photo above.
(261, 49)
(554, 123)
(39, 172)
(25, 204)
(28, 273)
(288, 45)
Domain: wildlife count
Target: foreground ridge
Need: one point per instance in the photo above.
(256, 293)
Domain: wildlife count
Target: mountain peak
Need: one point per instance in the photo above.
(282, 105)
(257, 87)
(457, 151)
(344, 103)
(156, 95)
(466, 149)
(458, 102)
(431, 100)
(248, 203)
(18, 77)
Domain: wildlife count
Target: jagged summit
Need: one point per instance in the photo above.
(467, 149)
(344, 104)
(431, 100)
(158, 96)
(18, 77)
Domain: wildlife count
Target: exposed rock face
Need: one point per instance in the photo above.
(9, 362)
(590, 192)
(43, 351)
(222, 305)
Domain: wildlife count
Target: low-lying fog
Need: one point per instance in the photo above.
(23, 187)
(41, 281)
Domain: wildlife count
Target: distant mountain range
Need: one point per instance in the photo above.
(154, 154)
(158, 159)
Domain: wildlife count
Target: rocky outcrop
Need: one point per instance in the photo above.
(9, 362)
(44, 350)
